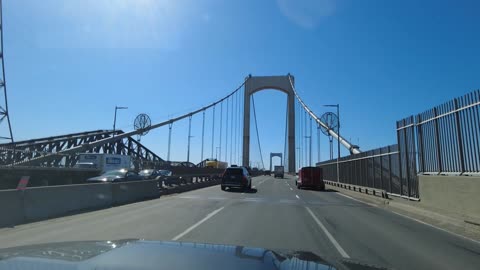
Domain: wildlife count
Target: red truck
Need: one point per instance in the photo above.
(310, 177)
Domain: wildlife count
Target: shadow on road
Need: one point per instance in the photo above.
(239, 190)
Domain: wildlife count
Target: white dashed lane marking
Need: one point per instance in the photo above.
(191, 228)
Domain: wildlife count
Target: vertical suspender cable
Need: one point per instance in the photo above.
(240, 126)
(232, 128)
(236, 129)
(233, 137)
(221, 123)
(301, 136)
(226, 132)
(300, 145)
(305, 137)
(213, 131)
(297, 135)
(169, 139)
(203, 135)
(189, 137)
(285, 141)
(310, 141)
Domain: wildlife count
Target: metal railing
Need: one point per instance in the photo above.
(444, 139)
(378, 168)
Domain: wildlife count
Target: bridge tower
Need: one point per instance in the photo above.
(276, 155)
(254, 84)
(3, 90)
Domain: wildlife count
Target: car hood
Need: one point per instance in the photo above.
(141, 254)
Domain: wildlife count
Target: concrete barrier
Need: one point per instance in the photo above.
(32, 204)
(48, 202)
(11, 208)
(453, 194)
(127, 192)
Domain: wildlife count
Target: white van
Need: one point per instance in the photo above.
(104, 162)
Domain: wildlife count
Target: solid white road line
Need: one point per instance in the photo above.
(291, 188)
(330, 237)
(411, 218)
(346, 196)
(197, 224)
(297, 196)
(438, 228)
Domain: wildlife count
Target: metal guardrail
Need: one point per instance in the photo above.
(374, 169)
(371, 191)
(446, 138)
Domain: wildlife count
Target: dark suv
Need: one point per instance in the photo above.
(236, 177)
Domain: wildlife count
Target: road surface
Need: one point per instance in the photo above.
(275, 214)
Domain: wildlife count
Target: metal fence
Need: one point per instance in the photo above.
(407, 157)
(379, 168)
(446, 137)
(442, 140)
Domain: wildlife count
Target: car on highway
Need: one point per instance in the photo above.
(120, 175)
(236, 177)
(310, 177)
(142, 254)
(150, 174)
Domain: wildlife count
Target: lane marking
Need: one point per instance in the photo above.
(329, 236)
(433, 226)
(291, 188)
(261, 182)
(197, 224)
(253, 186)
(411, 218)
(254, 199)
(297, 196)
(216, 198)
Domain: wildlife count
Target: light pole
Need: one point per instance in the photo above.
(338, 138)
(115, 117)
(318, 143)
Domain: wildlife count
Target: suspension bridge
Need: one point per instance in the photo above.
(411, 205)
(229, 117)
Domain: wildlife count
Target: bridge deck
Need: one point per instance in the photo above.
(274, 215)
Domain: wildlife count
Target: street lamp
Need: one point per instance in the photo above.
(115, 117)
(338, 138)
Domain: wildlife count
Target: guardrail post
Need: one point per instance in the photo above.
(420, 143)
(437, 138)
(390, 167)
(400, 124)
(459, 137)
(381, 169)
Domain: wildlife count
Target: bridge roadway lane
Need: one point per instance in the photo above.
(277, 215)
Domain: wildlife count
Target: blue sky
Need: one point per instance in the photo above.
(68, 63)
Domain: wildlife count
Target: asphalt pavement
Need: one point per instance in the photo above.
(274, 214)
